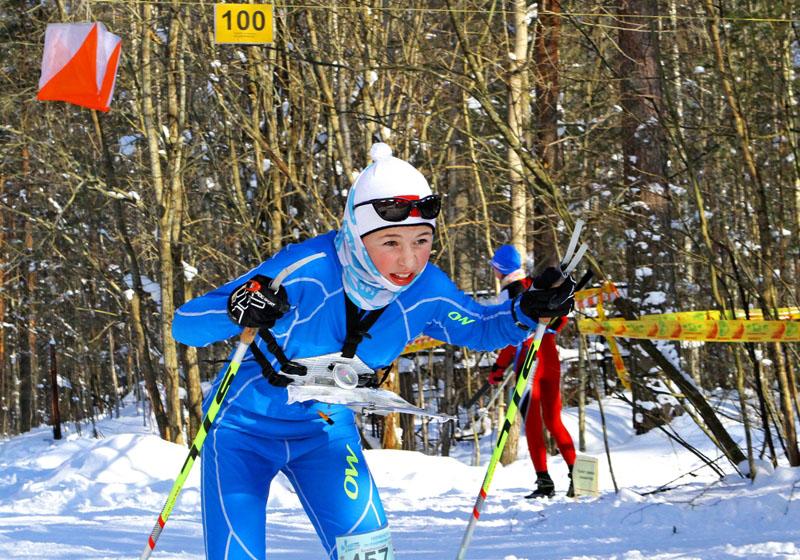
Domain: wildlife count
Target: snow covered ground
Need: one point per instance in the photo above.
(84, 498)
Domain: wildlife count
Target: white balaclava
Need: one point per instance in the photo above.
(386, 177)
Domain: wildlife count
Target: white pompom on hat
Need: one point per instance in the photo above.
(387, 177)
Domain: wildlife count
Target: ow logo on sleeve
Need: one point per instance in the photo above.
(459, 318)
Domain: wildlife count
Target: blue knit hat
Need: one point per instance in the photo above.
(506, 259)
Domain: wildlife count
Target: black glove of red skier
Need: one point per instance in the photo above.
(255, 304)
(556, 325)
(496, 375)
(542, 300)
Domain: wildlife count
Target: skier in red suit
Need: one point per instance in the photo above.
(544, 400)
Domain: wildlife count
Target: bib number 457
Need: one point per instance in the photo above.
(380, 554)
(375, 545)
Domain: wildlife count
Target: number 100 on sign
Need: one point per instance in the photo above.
(243, 23)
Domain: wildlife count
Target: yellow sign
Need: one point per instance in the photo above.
(422, 342)
(248, 24)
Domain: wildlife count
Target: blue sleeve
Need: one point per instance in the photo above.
(204, 319)
(460, 320)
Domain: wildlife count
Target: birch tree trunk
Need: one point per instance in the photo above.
(112, 371)
(518, 122)
(168, 195)
(339, 128)
(4, 373)
(191, 368)
(29, 373)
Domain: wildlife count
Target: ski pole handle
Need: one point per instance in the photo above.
(552, 323)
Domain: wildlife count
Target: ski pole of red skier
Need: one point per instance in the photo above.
(569, 263)
(245, 339)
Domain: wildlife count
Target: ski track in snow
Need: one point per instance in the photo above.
(89, 499)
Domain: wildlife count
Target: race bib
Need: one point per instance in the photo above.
(375, 545)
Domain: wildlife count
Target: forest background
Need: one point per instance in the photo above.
(671, 127)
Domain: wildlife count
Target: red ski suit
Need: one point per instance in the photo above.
(545, 398)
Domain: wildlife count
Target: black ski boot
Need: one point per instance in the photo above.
(544, 486)
(571, 489)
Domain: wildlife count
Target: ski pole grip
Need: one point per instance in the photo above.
(584, 280)
(276, 283)
(248, 335)
(551, 321)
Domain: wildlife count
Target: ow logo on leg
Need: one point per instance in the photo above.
(351, 475)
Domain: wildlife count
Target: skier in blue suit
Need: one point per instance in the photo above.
(365, 291)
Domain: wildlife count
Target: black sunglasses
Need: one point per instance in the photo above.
(398, 209)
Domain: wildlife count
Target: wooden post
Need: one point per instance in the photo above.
(582, 365)
(390, 422)
(113, 370)
(55, 411)
(406, 382)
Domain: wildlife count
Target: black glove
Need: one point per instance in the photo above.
(557, 324)
(255, 304)
(496, 375)
(543, 301)
(277, 379)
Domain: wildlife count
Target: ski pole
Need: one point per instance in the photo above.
(245, 339)
(511, 414)
(244, 342)
(483, 411)
(478, 394)
(573, 259)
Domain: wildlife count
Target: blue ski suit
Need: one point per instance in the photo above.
(257, 434)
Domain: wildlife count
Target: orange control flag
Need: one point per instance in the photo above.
(79, 64)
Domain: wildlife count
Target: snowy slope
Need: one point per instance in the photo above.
(84, 498)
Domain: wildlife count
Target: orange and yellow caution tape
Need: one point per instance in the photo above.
(608, 292)
(593, 297)
(782, 314)
(695, 326)
(705, 326)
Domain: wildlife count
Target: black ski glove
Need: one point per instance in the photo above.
(543, 301)
(557, 324)
(496, 375)
(255, 304)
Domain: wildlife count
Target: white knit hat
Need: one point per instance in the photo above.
(387, 177)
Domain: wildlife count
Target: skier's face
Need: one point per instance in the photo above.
(400, 253)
